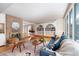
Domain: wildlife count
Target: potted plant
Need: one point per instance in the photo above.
(42, 40)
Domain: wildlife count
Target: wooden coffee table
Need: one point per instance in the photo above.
(36, 43)
(18, 44)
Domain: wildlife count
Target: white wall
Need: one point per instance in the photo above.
(3, 35)
(59, 25)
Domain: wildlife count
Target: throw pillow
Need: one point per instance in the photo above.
(57, 43)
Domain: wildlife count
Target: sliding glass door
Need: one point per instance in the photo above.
(72, 23)
(77, 21)
(69, 20)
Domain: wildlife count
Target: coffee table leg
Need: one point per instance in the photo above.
(35, 49)
(23, 46)
(13, 48)
(20, 48)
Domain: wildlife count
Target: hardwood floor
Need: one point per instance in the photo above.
(5, 48)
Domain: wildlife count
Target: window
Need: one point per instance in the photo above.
(50, 27)
(50, 30)
(40, 30)
(70, 23)
(77, 22)
(67, 26)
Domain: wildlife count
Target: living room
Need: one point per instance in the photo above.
(27, 27)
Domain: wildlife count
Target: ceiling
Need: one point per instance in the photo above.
(35, 12)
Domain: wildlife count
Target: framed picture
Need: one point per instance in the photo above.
(1, 28)
(15, 26)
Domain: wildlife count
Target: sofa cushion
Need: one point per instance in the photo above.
(58, 42)
(47, 52)
(51, 42)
